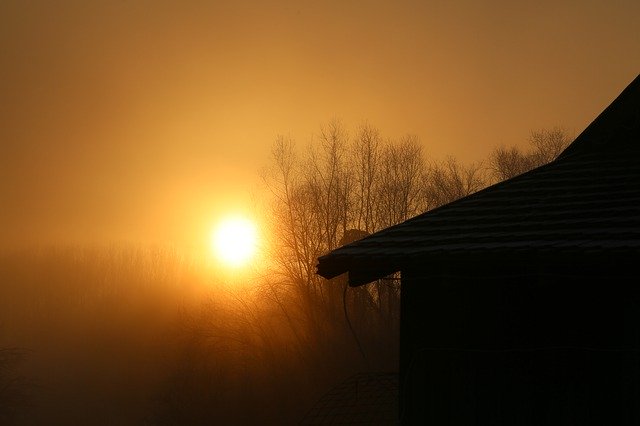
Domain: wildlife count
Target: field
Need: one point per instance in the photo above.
(130, 335)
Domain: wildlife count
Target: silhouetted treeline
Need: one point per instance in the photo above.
(544, 146)
(363, 181)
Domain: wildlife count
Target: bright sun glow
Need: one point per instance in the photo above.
(235, 240)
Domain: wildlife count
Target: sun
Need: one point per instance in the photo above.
(234, 241)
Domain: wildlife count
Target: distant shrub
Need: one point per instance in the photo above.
(14, 388)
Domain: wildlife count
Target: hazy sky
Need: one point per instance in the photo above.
(144, 121)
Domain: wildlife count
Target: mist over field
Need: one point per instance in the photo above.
(125, 335)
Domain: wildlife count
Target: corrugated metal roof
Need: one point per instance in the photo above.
(587, 199)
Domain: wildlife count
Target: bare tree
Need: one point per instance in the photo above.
(506, 163)
(400, 184)
(339, 187)
(544, 146)
(296, 220)
(330, 183)
(363, 184)
(449, 180)
(366, 156)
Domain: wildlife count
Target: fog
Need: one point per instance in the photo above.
(142, 123)
(136, 336)
(127, 131)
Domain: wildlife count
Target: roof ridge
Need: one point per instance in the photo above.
(623, 113)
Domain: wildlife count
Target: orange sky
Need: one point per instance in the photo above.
(146, 122)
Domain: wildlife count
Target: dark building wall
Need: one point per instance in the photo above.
(534, 347)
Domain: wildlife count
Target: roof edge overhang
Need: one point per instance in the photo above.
(361, 270)
(487, 263)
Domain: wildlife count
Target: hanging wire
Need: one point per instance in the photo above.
(346, 315)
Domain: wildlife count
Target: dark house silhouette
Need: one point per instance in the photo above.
(521, 303)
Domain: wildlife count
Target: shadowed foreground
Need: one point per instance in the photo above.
(148, 336)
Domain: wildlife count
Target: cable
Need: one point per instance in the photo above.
(346, 315)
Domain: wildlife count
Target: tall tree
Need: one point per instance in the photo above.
(450, 180)
(544, 146)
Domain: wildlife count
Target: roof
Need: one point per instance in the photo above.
(587, 200)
